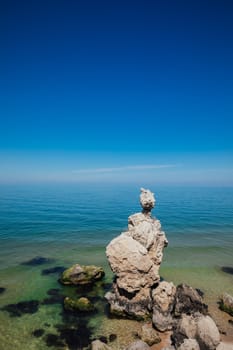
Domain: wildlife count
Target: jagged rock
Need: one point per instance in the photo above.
(189, 344)
(138, 345)
(188, 301)
(135, 257)
(149, 335)
(82, 304)
(99, 345)
(163, 298)
(81, 275)
(208, 335)
(226, 303)
(131, 305)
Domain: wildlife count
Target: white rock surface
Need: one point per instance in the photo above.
(138, 345)
(189, 344)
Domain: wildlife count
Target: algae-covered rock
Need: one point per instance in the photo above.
(81, 275)
(81, 304)
(226, 303)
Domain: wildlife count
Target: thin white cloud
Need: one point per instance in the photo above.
(123, 168)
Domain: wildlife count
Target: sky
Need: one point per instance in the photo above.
(121, 91)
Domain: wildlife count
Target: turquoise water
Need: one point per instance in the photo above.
(73, 224)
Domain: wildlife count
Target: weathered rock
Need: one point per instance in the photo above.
(81, 275)
(188, 301)
(226, 303)
(99, 345)
(138, 345)
(131, 305)
(187, 326)
(81, 304)
(225, 346)
(149, 335)
(163, 304)
(189, 344)
(208, 335)
(135, 257)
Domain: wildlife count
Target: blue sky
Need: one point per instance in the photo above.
(116, 91)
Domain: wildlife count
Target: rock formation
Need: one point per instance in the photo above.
(135, 257)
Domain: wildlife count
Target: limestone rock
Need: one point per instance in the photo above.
(226, 303)
(138, 345)
(81, 275)
(132, 265)
(149, 335)
(82, 304)
(189, 344)
(208, 335)
(163, 298)
(225, 346)
(188, 301)
(135, 257)
(99, 345)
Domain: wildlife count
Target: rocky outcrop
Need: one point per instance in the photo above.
(135, 257)
(82, 275)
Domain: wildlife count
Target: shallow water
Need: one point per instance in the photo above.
(73, 224)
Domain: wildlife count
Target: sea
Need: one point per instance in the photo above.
(45, 228)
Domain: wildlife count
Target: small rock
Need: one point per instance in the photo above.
(224, 346)
(138, 345)
(80, 275)
(149, 335)
(189, 344)
(99, 345)
(207, 333)
(81, 304)
(226, 303)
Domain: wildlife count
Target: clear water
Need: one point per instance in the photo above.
(73, 224)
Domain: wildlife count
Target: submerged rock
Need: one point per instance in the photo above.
(226, 303)
(23, 307)
(38, 332)
(52, 270)
(82, 304)
(81, 275)
(2, 290)
(38, 260)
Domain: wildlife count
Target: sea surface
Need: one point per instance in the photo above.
(67, 224)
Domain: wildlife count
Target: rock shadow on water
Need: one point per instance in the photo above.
(227, 269)
(21, 308)
(38, 260)
(53, 270)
